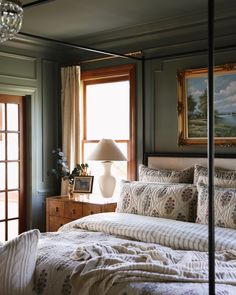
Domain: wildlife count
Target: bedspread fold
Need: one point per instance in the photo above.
(110, 263)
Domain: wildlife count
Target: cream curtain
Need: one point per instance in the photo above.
(70, 112)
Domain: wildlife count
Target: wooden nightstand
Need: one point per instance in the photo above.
(61, 210)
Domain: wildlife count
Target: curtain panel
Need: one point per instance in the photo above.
(70, 113)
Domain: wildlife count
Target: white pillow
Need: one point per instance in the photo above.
(225, 206)
(167, 200)
(147, 174)
(17, 264)
(222, 178)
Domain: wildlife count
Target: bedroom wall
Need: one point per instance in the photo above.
(32, 71)
(29, 67)
(179, 43)
(161, 100)
(161, 120)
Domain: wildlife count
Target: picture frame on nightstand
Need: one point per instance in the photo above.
(83, 184)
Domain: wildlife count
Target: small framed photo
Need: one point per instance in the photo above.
(83, 184)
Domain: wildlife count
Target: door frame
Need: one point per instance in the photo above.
(17, 100)
(32, 126)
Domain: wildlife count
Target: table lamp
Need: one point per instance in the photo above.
(107, 151)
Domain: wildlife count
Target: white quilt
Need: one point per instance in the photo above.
(118, 262)
(171, 233)
(119, 254)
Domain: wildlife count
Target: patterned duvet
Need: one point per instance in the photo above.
(55, 263)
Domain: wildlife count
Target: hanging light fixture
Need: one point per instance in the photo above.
(11, 16)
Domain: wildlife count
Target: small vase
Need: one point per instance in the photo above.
(70, 191)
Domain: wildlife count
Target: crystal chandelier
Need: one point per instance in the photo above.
(11, 16)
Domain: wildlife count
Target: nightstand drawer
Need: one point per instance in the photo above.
(73, 210)
(56, 208)
(89, 209)
(109, 207)
(56, 222)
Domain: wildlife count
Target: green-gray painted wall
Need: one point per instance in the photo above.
(34, 74)
(33, 70)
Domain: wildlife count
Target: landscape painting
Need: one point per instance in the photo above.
(192, 105)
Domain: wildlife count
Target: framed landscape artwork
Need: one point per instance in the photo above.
(83, 184)
(192, 106)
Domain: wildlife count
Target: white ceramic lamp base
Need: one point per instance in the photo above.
(107, 182)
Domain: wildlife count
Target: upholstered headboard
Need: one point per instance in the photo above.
(180, 161)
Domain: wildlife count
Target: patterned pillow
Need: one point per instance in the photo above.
(17, 264)
(147, 174)
(172, 201)
(225, 206)
(223, 178)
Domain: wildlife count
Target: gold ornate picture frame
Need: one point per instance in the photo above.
(192, 106)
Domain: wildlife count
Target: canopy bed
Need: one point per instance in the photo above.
(153, 243)
(130, 252)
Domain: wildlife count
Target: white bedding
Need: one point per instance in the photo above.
(166, 232)
(56, 263)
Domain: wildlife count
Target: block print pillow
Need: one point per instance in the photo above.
(225, 206)
(172, 201)
(223, 178)
(147, 174)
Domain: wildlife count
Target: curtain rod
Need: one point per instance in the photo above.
(76, 46)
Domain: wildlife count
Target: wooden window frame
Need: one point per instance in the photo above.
(115, 74)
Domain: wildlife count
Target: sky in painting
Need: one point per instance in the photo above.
(225, 91)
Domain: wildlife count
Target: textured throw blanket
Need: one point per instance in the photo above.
(106, 264)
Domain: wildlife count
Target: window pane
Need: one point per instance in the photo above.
(118, 169)
(13, 204)
(2, 176)
(13, 175)
(2, 205)
(2, 232)
(2, 117)
(13, 229)
(12, 146)
(12, 117)
(2, 146)
(107, 110)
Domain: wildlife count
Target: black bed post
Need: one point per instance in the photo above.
(143, 106)
(211, 219)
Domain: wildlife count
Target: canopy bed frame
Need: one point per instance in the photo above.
(150, 158)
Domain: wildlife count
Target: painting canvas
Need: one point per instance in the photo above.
(192, 105)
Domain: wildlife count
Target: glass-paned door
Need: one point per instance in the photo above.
(12, 203)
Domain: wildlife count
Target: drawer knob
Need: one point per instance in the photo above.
(91, 212)
(57, 209)
(73, 211)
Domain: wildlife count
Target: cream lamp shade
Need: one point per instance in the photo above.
(107, 151)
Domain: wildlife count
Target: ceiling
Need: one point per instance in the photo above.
(71, 20)
(74, 19)
(139, 24)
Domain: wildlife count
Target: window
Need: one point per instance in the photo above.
(109, 112)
